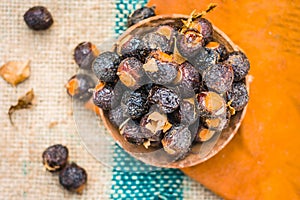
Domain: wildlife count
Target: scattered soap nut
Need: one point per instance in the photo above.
(24, 102)
(55, 157)
(15, 72)
(38, 18)
(73, 178)
(85, 54)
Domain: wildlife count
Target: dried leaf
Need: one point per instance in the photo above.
(24, 102)
(15, 72)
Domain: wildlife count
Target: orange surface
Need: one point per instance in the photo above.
(263, 160)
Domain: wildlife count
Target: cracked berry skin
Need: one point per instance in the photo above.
(177, 141)
(38, 18)
(160, 68)
(239, 96)
(188, 80)
(131, 132)
(240, 64)
(166, 99)
(105, 96)
(204, 27)
(84, 55)
(78, 87)
(154, 41)
(131, 73)
(186, 114)
(118, 115)
(105, 66)
(137, 104)
(218, 49)
(211, 104)
(189, 44)
(139, 15)
(218, 77)
(73, 178)
(204, 59)
(55, 157)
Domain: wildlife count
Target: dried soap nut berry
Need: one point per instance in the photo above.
(85, 54)
(160, 68)
(131, 131)
(105, 66)
(137, 104)
(204, 134)
(130, 46)
(140, 14)
(188, 80)
(118, 115)
(204, 27)
(38, 18)
(204, 59)
(73, 178)
(218, 49)
(154, 41)
(218, 77)
(240, 64)
(166, 99)
(131, 73)
(154, 124)
(211, 104)
(189, 44)
(55, 157)
(79, 85)
(187, 113)
(106, 96)
(238, 96)
(177, 141)
(216, 123)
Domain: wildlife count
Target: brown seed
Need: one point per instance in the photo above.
(84, 55)
(55, 157)
(38, 18)
(73, 178)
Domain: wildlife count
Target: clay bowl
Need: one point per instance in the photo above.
(200, 152)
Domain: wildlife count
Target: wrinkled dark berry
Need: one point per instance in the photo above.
(204, 27)
(118, 115)
(78, 87)
(160, 68)
(204, 59)
(131, 131)
(240, 64)
(211, 104)
(238, 95)
(188, 80)
(218, 49)
(137, 104)
(84, 55)
(131, 73)
(204, 134)
(166, 99)
(218, 77)
(177, 141)
(73, 178)
(189, 44)
(155, 41)
(105, 96)
(38, 18)
(105, 66)
(186, 114)
(139, 15)
(130, 46)
(55, 157)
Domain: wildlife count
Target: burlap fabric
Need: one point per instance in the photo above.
(51, 120)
